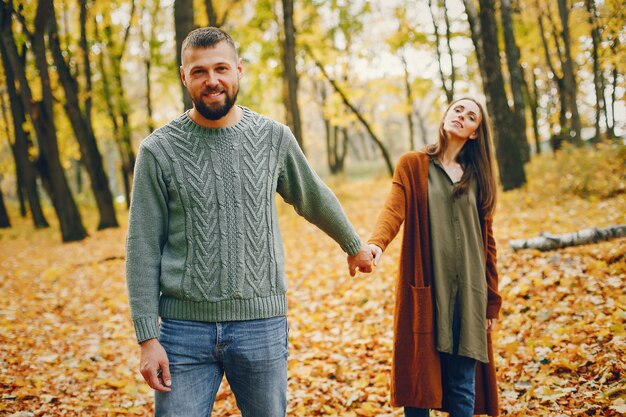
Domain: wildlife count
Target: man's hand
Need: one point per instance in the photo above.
(154, 365)
(377, 253)
(362, 261)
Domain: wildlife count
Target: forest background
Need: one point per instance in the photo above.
(82, 82)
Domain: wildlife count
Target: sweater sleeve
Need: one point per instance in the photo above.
(147, 234)
(301, 187)
(494, 300)
(392, 215)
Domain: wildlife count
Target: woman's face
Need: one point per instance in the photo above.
(462, 120)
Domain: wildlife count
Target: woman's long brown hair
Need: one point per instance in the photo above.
(476, 158)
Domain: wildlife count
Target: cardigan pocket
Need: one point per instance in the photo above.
(423, 319)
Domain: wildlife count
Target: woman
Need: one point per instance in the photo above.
(447, 291)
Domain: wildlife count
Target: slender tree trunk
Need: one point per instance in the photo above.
(49, 163)
(5, 222)
(597, 71)
(25, 170)
(555, 140)
(614, 75)
(446, 18)
(508, 153)
(214, 19)
(532, 98)
(569, 76)
(409, 103)
(117, 134)
(81, 120)
(291, 74)
(421, 120)
(149, 57)
(516, 78)
(121, 127)
(184, 23)
(447, 90)
(211, 14)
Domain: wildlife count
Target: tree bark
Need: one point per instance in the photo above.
(516, 76)
(546, 241)
(24, 168)
(80, 119)
(569, 76)
(184, 23)
(555, 140)
(449, 91)
(291, 73)
(597, 71)
(508, 153)
(5, 222)
(409, 102)
(532, 98)
(212, 16)
(42, 117)
(148, 58)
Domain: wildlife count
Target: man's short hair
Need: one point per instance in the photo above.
(206, 37)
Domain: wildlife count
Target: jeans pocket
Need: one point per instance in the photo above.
(423, 318)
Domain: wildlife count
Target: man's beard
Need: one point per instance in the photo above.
(216, 111)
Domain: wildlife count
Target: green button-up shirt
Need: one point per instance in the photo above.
(458, 266)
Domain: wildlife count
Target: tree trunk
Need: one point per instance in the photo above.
(214, 19)
(546, 241)
(211, 14)
(449, 91)
(291, 74)
(5, 222)
(184, 23)
(24, 168)
(346, 101)
(121, 128)
(516, 78)
(569, 76)
(409, 103)
(597, 72)
(446, 19)
(49, 163)
(555, 140)
(508, 153)
(154, 12)
(80, 120)
(532, 98)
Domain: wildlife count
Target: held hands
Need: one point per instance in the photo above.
(377, 253)
(154, 365)
(362, 261)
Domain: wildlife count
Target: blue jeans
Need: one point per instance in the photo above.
(458, 376)
(252, 354)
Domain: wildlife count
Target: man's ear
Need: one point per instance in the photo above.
(239, 68)
(182, 75)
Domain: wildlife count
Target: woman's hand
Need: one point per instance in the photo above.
(377, 253)
(490, 322)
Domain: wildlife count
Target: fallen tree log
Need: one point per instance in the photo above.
(547, 241)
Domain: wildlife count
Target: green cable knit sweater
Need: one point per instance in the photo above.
(203, 240)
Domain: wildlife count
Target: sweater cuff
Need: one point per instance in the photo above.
(353, 246)
(146, 328)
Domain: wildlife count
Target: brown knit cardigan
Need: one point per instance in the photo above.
(416, 371)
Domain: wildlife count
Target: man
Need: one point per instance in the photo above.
(204, 250)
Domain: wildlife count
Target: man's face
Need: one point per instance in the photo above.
(211, 76)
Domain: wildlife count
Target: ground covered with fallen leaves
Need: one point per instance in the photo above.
(67, 347)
